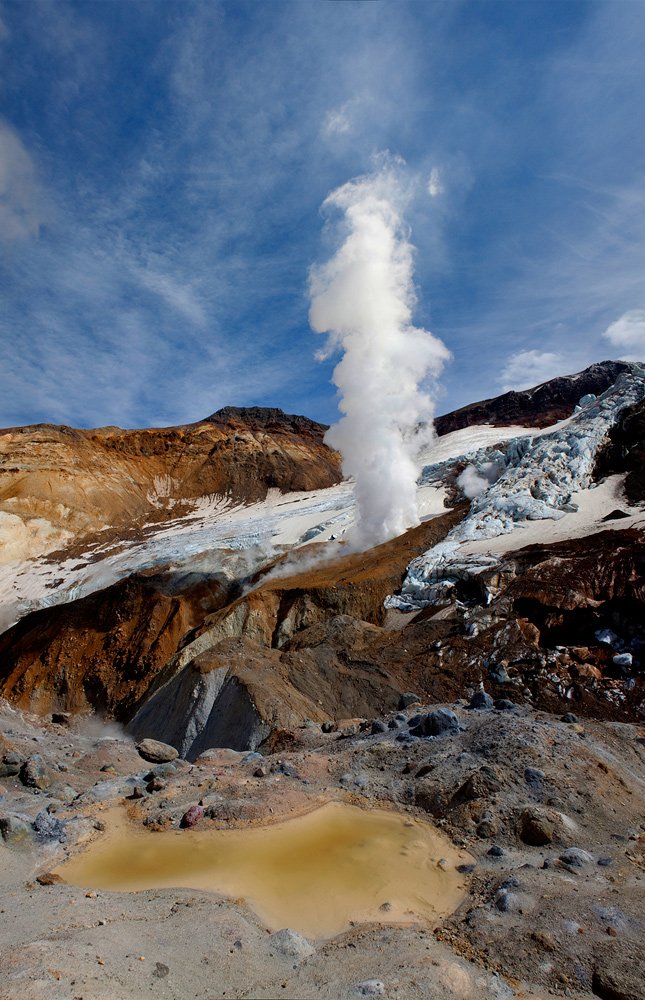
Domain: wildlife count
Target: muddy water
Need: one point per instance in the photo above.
(315, 873)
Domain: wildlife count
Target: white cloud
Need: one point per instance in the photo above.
(339, 121)
(524, 369)
(21, 202)
(628, 335)
(435, 183)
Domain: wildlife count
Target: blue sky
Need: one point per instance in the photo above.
(163, 164)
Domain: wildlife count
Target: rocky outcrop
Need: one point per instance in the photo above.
(100, 652)
(625, 453)
(541, 406)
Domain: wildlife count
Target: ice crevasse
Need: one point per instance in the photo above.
(538, 475)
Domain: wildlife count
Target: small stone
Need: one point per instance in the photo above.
(506, 902)
(191, 817)
(605, 862)
(156, 752)
(370, 988)
(10, 764)
(487, 827)
(49, 878)
(261, 771)
(393, 724)
(289, 943)
(545, 940)
(156, 785)
(137, 793)
(378, 726)
(535, 828)
(504, 705)
(574, 857)
(328, 726)
(108, 769)
(161, 771)
(622, 660)
(385, 907)
(496, 851)
(466, 869)
(160, 970)
(569, 717)
(33, 773)
(533, 776)
(407, 699)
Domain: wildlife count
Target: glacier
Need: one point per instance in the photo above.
(538, 476)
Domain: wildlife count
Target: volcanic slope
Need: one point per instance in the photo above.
(227, 646)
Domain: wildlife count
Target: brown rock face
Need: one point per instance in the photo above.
(58, 484)
(538, 407)
(101, 652)
(109, 650)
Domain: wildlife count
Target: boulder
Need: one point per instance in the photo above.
(157, 752)
(535, 828)
(15, 829)
(33, 772)
(436, 723)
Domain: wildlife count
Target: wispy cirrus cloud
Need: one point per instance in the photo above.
(22, 203)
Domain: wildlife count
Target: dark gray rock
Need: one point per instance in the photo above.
(408, 698)
(160, 970)
(480, 700)
(496, 851)
(436, 723)
(506, 901)
(48, 828)
(504, 705)
(569, 717)
(533, 776)
(378, 726)
(328, 727)
(574, 857)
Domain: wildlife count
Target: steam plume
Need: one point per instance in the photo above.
(363, 299)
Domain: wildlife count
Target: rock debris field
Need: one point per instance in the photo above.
(545, 806)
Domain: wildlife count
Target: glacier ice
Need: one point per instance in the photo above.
(540, 474)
